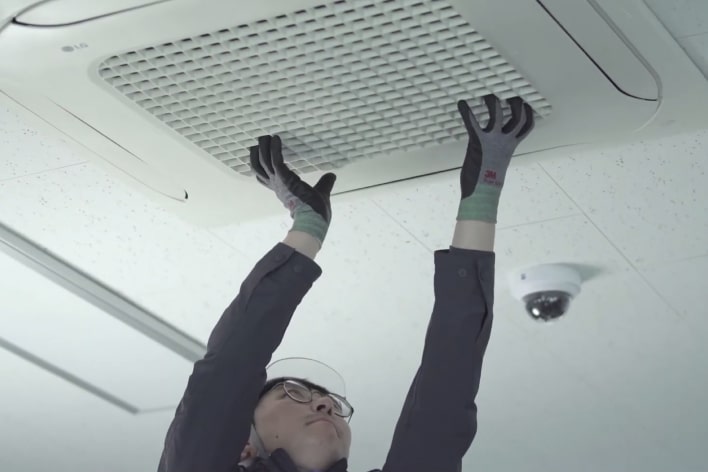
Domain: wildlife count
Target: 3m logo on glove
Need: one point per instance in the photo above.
(490, 177)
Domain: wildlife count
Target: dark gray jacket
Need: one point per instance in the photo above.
(212, 422)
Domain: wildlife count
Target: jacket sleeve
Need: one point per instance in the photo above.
(212, 422)
(439, 417)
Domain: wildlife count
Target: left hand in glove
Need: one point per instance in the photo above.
(309, 206)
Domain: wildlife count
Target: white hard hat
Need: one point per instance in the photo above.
(310, 370)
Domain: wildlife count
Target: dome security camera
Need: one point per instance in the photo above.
(546, 290)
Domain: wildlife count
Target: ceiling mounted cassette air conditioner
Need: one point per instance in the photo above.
(170, 94)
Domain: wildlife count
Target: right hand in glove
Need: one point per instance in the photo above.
(489, 152)
(309, 206)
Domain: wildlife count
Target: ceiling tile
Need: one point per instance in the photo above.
(522, 385)
(649, 198)
(61, 328)
(550, 414)
(571, 240)
(427, 207)
(194, 308)
(558, 424)
(49, 424)
(683, 285)
(106, 229)
(26, 152)
(628, 344)
(196, 300)
(682, 17)
(255, 237)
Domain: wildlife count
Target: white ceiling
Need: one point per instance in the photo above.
(619, 385)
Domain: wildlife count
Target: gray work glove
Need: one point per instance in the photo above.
(309, 206)
(488, 155)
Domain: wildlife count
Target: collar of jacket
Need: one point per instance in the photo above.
(280, 461)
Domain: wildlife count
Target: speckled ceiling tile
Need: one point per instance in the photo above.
(628, 343)
(110, 231)
(616, 336)
(24, 151)
(684, 285)
(649, 198)
(528, 391)
(427, 207)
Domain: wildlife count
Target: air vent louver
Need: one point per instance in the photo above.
(341, 81)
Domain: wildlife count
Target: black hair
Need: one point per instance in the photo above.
(269, 385)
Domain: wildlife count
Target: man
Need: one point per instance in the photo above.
(229, 418)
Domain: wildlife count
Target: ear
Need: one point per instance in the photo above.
(249, 453)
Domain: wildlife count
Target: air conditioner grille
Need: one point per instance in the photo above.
(339, 82)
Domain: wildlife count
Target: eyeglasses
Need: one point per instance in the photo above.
(301, 393)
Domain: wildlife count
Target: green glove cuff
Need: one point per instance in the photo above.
(309, 221)
(482, 205)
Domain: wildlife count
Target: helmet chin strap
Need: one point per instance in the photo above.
(258, 442)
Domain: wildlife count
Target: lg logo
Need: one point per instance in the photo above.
(74, 47)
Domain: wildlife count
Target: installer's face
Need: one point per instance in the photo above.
(311, 433)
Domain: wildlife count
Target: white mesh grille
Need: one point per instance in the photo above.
(339, 82)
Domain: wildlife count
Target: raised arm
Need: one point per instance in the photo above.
(439, 417)
(213, 420)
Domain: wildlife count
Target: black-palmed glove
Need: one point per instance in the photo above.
(488, 156)
(309, 206)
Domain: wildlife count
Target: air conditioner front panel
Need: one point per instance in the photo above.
(338, 83)
(624, 68)
(574, 100)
